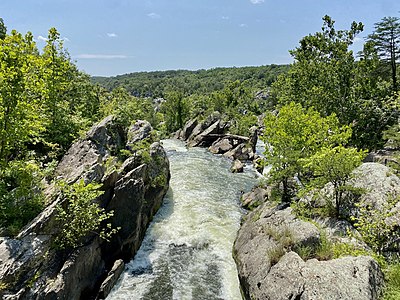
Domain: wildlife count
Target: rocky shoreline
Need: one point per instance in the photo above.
(32, 268)
(272, 239)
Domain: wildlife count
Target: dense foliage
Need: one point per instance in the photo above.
(44, 103)
(327, 76)
(201, 82)
(81, 216)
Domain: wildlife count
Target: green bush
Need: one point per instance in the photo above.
(81, 216)
(21, 197)
(392, 288)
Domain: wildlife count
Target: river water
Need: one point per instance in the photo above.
(187, 250)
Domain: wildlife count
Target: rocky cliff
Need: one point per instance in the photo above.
(32, 268)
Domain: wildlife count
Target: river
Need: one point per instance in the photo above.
(187, 250)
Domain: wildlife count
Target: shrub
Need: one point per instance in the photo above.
(21, 198)
(392, 288)
(81, 216)
(375, 225)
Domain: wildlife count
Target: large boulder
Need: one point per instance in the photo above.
(378, 181)
(339, 279)
(32, 268)
(269, 269)
(206, 137)
(241, 152)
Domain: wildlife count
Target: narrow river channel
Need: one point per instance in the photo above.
(187, 250)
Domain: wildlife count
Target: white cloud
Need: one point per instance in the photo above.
(100, 56)
(42, 38)
(112, 35)
(153, 15)
(257, 1)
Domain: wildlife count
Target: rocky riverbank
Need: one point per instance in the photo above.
(32, 268)
(213, 133)
(281, 255)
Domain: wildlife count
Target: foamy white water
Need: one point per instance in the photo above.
(187, 250)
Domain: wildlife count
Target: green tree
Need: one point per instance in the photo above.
(335, 166)
(322, 74)
(386, 40)
(63, 93)
(21, 198)
(3, 29)
(377, 224)
(82, 216)
(295, 133)
(176, 110)
(20, 86)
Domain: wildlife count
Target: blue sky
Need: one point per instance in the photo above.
(110, 37)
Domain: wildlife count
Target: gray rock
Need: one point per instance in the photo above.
(188, 129)
(82, 156)
(202, 139)
(138, 131)
(241, 152)
(268, 269)
(339, 279)
(111, 279)
(31, 266)
(237, 166)
(200, 127)
(379, 182)
(267, 231)
(221, 146)
(255, 197)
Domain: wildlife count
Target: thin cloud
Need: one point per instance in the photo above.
(257, 1)
(112, 35)
(101, 56)
(153, 15)
(42, 38)
(65, 39)
(243, 25)
(225, 18)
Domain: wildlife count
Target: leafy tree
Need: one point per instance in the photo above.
(66, 94)
(21, 198)
(124, 107)
(377, 225)
(322, 74)
(295, 133)
(176, 111)
(3, 29)
(326, 76)
(20, 86)
(81, 216)
(386, 40)
(335, 166)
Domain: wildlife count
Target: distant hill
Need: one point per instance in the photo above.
(154, 84)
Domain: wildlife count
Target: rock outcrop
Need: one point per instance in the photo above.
(269, 267)
(213, 134)
(32, 268)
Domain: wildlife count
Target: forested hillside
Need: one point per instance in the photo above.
(155, 84)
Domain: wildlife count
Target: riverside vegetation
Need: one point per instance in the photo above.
(320, 116)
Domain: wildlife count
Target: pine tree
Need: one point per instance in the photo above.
(386, 39)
